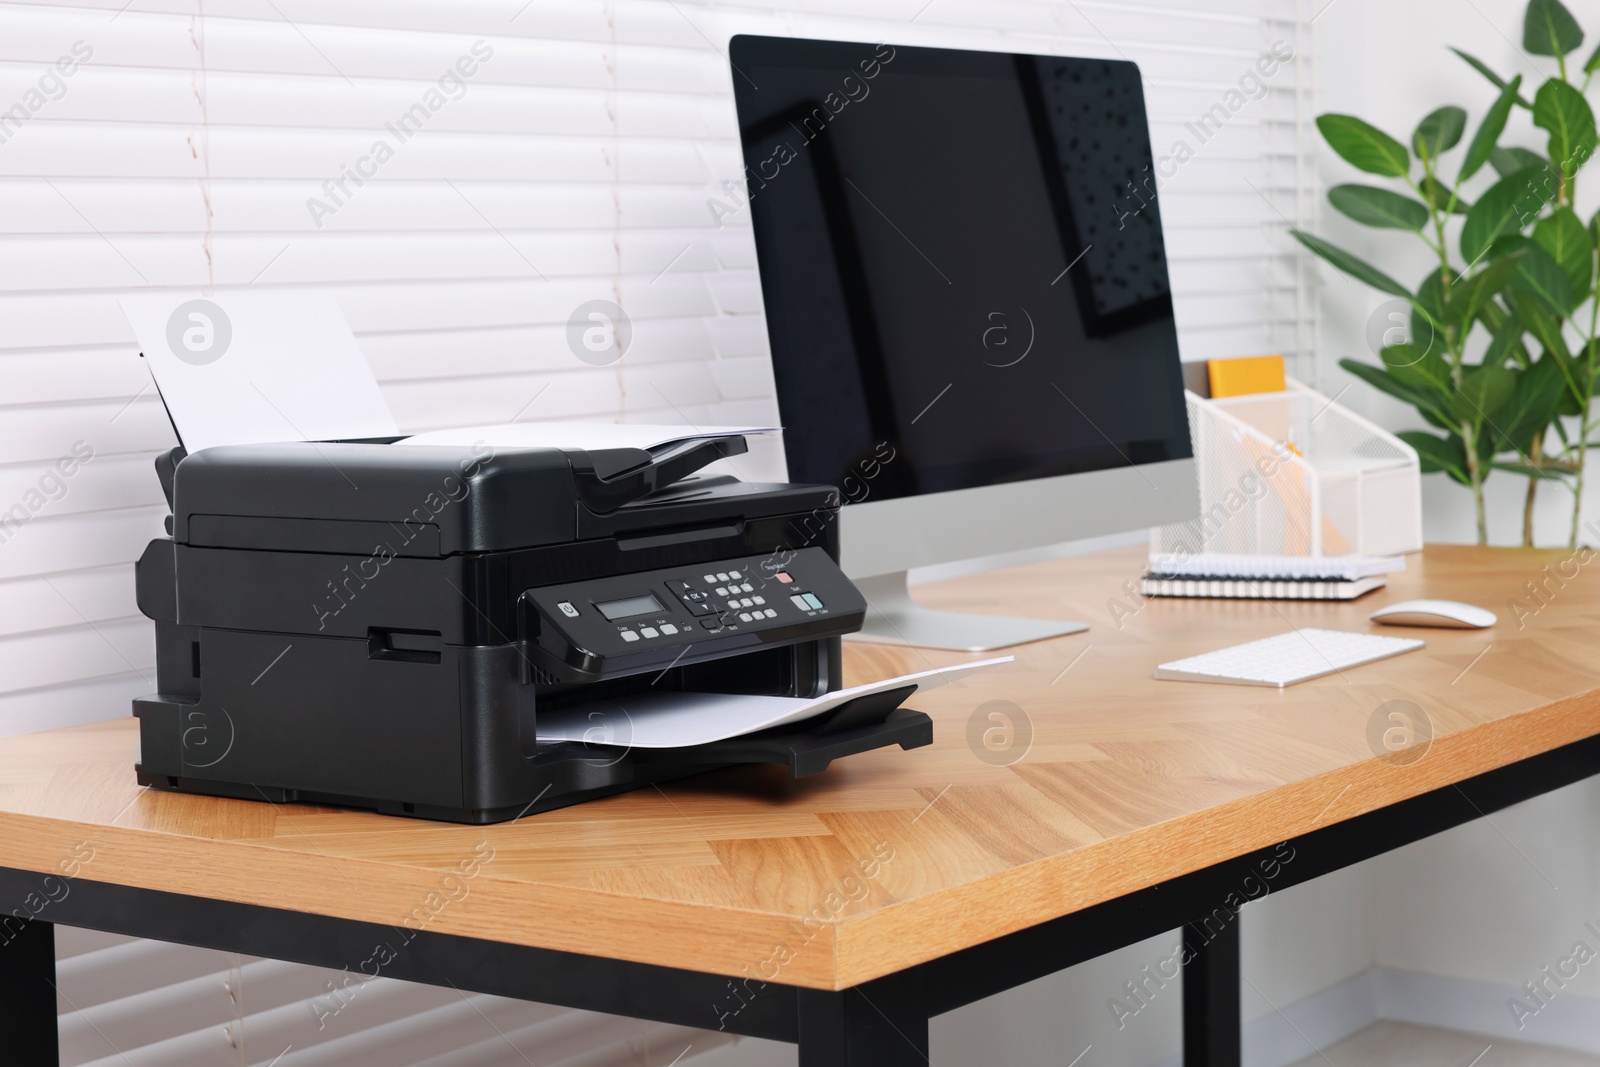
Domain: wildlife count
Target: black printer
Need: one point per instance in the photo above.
(380, 625)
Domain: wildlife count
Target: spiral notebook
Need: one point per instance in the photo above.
(1210, 574)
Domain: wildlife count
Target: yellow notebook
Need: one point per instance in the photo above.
(1249, 374)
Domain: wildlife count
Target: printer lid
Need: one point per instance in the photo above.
(339, 496)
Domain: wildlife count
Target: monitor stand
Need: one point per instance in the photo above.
(893, 618)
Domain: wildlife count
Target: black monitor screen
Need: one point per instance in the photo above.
(961, 261)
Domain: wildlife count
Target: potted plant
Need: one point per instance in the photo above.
(1501, 357)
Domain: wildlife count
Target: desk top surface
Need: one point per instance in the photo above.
(1062, 780)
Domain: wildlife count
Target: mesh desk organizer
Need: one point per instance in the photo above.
(1292, 473)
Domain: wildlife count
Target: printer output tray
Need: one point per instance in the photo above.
(808, 747)
(804, 748)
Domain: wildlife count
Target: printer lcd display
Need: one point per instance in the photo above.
(634, 605)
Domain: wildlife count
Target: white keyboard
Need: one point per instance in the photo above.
(1293, 657)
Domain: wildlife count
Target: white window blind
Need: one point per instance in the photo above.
(180, 144)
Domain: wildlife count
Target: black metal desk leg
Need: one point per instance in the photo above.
(1211, 978)
(851, 1029)
(28, 991)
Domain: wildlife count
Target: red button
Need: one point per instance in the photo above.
(783, 576)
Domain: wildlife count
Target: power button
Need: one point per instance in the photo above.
(567, 609)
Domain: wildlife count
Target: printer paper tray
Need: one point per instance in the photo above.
(809, 746)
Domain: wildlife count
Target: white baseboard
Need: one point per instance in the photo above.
(1567, 1021)
(1300, 1030)
(1295, 1031)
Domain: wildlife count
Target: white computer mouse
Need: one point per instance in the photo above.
(1451, 614)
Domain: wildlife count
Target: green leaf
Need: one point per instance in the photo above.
(1565, 237)
(1594, 229)
(1510, 204)
(1531, 408)
(1570, 405)
(1424, 371)
(1483, 68)
(1489, 130)
(1547, 474)
(1580, 387)
(1507, 161)
(1492, 315)
(1437, 454)
(1470, 295)
(1447, 425)
(1484, 391)
(1484, 439)
(1562, 110)
(1364, 146)
(1440, 196)
(1507, 344)
(1592, 64)
(1428, 318)
(1538, 274)
(1549, 29)
(1351, 265)
(1439, 131)
(1372, 206)
(1381, 380)
(1545, 327)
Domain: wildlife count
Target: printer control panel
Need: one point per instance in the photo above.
(777, 596)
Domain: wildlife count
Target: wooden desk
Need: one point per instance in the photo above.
(842, 911)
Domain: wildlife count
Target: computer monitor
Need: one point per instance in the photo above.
(967, 300)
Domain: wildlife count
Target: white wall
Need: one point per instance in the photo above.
(1497, 900)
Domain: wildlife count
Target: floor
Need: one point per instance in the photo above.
(1389, 1044)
